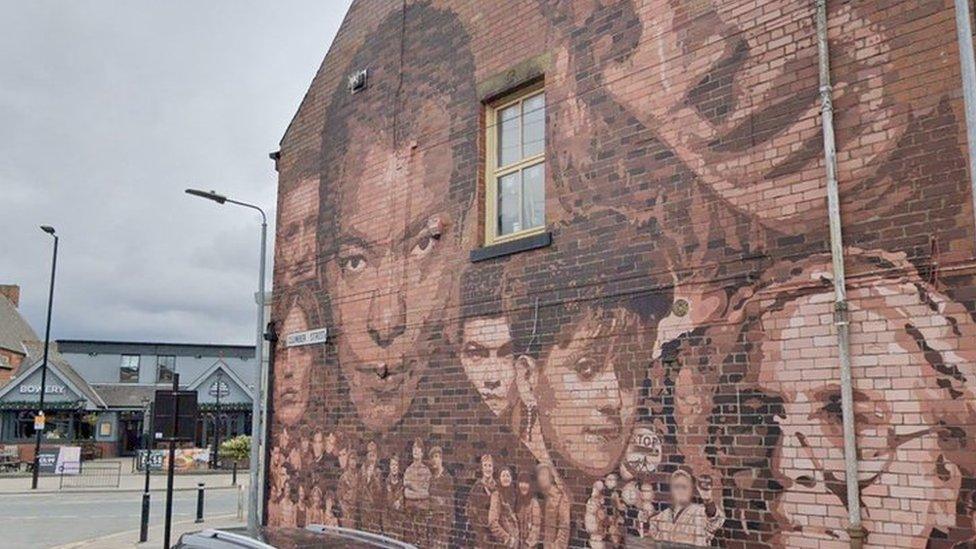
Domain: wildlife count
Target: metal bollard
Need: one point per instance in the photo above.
(199, 502)
(233, 476)
(240, 502)
(144, 521)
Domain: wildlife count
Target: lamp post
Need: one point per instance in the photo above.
(40, 420)
(253, 522)
(217, 420)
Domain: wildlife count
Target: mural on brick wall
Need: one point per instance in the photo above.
(666, 371)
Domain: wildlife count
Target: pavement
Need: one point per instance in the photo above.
(108, 517)
(129, 481)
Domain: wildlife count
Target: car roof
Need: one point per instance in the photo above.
(314, 536)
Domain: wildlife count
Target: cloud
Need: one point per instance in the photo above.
(108, 110)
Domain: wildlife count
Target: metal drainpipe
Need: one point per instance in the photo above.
(841, 313)
(964, 34)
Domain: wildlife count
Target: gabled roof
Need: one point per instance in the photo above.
(221, 365)
(63, 370)
(15, 332)
(125, 395)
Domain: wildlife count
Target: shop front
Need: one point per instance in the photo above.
(74, 413)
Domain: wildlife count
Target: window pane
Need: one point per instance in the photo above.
(508, 135)
(129, 370)
(508, 204)
(534, 127)
(166, 365)
(534, 196)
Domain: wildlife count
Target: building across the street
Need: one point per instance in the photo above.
(16, 335)
(99, 392)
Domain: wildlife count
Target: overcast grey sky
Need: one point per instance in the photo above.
(108, 110)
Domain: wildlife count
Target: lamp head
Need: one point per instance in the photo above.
(211, 195)
(48, 229)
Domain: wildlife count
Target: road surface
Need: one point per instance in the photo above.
(46, 520)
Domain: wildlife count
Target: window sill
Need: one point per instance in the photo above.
(534, 242)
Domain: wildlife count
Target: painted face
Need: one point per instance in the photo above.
(293, 373)
(588, 411)
(681, 490)
(318, 445)
(742, 115)
(297, 245)
(372, 455)
(394, 466)
(505, 477)
(523, 488)
(487, 467)
(896, 428)
(390, 280)
(418, 452)
(486, 355)
(437, 461)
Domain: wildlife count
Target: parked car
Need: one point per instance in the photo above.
(312, 536)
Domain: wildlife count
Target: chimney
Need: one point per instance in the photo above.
(11, 292)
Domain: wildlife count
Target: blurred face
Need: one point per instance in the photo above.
(897, 435)
(487, 467)
(544, 478)
(293, 371)
(297, 245)
(391, 277)
(588, 411)
(742, 115)
(486, 355)
(681, 490)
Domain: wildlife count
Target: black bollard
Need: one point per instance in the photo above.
(233, 477)
(199, 502)
(144, 523)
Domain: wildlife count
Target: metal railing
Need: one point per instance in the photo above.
(90, 475)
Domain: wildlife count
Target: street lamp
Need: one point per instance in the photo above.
(40, 420)
(217, 421)
(253, 522)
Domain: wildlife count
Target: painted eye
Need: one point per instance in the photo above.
(586, 368)
(423, 246)
(353, 263)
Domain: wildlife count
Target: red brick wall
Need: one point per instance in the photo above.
(667, 369)
(13, 361)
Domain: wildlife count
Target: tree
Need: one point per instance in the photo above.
(236, 449)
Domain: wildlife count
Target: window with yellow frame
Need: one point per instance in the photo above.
(515, 197)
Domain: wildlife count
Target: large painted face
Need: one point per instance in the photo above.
(390, 280)
(487, 358)
(587, 409)
(743, 116)
(901, 460)
(293, 373)
(297, 244)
